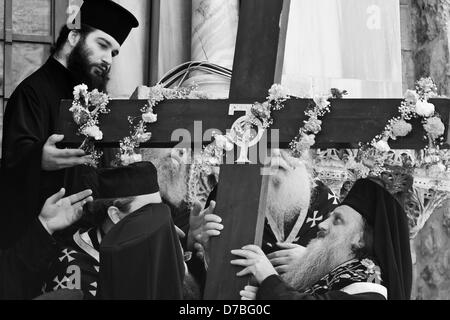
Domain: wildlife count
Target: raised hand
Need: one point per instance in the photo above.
(56, 159)
(255, 262)
(283, 259)
(203, 224)
(59, 213)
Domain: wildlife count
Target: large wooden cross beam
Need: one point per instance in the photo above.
(242, 193)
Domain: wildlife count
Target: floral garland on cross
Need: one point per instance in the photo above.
(89, 125)
(414, 106)
(306, 137)
(139, 132)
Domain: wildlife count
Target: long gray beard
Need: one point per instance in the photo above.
(321, 257)
(284, 219)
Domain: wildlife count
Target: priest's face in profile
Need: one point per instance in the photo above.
(289, 188)
(339, 238)
(91, 58)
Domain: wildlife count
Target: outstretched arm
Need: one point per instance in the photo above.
(22, 267)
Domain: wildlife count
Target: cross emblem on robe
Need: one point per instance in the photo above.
(67, 255)
(60, 284)
(314, 219)
(334, 197)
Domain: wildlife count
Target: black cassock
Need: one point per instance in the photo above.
(141, 257)
(31, 116)
(23, 267)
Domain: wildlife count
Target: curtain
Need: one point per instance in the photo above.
(348, 44)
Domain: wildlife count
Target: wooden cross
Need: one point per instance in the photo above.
(241, 200)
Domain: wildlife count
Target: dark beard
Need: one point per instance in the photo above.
(78, 64)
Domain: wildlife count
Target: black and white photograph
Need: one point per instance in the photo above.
(224, 154)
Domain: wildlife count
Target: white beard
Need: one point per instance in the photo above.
(321, 257)
(286, 198)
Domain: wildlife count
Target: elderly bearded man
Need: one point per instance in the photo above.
(29, 140)
(362, 252)
(296, 205)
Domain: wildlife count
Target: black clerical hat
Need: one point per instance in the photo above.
(108, 16)
(134, 180)
(391, 234)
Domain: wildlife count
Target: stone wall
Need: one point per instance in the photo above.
(425, 42)
(425, 52)
(431, 257)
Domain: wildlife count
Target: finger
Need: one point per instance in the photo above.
(79, 205)
(253, 248)
(72, 162)
(79, 196)
(244, 272)
(242, 262)
(243, 253)
(213, 226)
(279, 261)
(212, 218)
(278, 254)
(54, 139)
(285, 245)
(180, 232)
(282, 269)
(212, 233)
(57, 196)
(245, 295)
(251, 289)
(211, 207)
(69, 153)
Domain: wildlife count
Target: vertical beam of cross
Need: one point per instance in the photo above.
(242, 193)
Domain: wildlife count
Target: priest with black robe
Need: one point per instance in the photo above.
(362, 252)
(32, 167)
(127, 211)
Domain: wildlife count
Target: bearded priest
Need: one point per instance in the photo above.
(30, 150)
(361, 252)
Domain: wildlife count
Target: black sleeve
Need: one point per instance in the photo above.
(23, 267)
(24, 134)
(274, 288)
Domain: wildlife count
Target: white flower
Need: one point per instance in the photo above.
(136, 157)
(278, 92)
(144, 137)
(411, 96)
(150, 117)
(94, 132)
(434, 127)
(223, 142)
(313, 125)
(382, 146)
(424, 109)
(401, 128)
(80, 90)
(125, 159)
